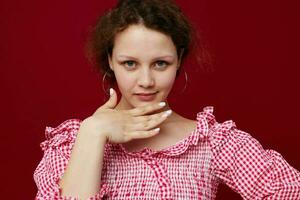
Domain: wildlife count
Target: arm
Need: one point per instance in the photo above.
(62, 173)
(240, 161)
(82, 177)
(58, 161)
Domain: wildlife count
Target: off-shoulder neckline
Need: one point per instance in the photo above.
(205, 119)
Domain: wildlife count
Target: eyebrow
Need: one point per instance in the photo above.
(130, 57)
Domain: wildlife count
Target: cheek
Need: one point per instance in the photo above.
(124, 82)
(166, 81)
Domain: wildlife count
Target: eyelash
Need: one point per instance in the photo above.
(159, 61)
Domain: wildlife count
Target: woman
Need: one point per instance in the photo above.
(138, 148)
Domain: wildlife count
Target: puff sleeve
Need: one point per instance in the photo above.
(57, 149)
(245, 166)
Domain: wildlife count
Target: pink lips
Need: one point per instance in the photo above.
(146, 96)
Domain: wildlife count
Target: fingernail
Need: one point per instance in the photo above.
(111, 91)
(167, 113)
(162, 104)
(156, 130)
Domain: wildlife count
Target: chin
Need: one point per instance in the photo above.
(142, 103)
(135, 101)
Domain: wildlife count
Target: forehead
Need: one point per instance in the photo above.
(140, 39)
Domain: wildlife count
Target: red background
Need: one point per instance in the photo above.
(45, 78)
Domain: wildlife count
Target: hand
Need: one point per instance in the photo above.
(120, 126)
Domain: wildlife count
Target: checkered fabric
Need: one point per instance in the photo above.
(191, 169)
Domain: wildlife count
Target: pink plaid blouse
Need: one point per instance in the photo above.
(190, 169)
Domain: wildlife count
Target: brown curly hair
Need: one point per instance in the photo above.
(160, 15)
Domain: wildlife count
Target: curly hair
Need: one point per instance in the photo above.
(160, 15)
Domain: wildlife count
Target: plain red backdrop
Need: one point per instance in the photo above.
(45, 78)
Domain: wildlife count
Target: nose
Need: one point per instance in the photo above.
(145, 78)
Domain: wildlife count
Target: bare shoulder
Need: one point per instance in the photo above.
(182, 127)
(186, 123)
(190, 125)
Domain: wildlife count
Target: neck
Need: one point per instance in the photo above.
(124, 105)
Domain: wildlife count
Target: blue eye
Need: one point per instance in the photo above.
(161, 64)
(128, 64)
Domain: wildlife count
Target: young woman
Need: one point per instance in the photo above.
(138, 148)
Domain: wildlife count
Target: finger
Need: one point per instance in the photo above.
(146, 109)
(145, 118)
(143, 134)
(147, 125)
(112, 101)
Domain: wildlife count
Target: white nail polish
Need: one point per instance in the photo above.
(167, 113)
(156, 130)
(162, 104)
(111, 91)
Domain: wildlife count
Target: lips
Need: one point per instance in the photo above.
(146, 96)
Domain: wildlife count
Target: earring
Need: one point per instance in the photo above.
(103, 88)
(186, 81)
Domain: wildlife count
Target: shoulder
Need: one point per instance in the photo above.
(64, 132)
(218, 132)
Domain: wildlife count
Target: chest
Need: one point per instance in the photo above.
(187, 176)
(167, 137)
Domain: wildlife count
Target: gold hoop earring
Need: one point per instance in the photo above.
(103, 88)
(186, 82)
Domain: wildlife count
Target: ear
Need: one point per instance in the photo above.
(110, 62)
(180, 57)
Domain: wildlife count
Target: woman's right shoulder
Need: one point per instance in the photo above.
(64, 132)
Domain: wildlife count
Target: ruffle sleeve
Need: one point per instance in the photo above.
(57, 149)
(245, 166)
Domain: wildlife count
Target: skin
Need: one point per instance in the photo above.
(125, 123)
(129, 121)
(145, 60)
